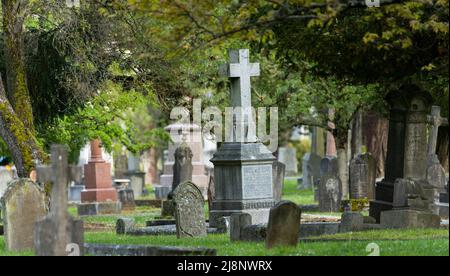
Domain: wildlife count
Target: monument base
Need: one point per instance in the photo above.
(99, 195)
(409, 219)
(45, 241)
(259, 216)
(99, 208)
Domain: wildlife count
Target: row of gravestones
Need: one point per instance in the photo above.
(30, 222)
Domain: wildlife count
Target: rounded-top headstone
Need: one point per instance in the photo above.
(189, 210)
(23, 204)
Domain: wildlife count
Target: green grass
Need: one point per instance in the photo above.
(302, 197)
(417, 242)
(391, 243)
(428, 243)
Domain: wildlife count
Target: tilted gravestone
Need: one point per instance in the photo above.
(59, 233)
(363, 177)
(278, 180)
(330, 193)
(284, 225)
(23, 203)
(189, 210)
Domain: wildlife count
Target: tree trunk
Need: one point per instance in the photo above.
(14, 13)
(16, 113)
(21, 142)
(375, 138)
(442, 147)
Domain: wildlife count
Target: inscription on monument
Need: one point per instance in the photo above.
(257, 180)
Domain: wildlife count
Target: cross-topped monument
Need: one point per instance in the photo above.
(243, 167)
(58, 230)
(240, 71)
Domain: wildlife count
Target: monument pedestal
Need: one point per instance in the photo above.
(243, 175)
(98, 183)
(410, 219)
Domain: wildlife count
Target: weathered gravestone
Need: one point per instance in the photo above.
(328, 166)
(411, 207)
(5, 177)
(242, 166)
(407, 145)
(23, 203)
(59, 234)
(126, 198)
(194, 139)
(363, 177)
(136, 176)
(330, 193)
(284, 225)
(278, 180)
(311, 161)
(182, 172)
(189, 211)
(288, 156)
(435, 172)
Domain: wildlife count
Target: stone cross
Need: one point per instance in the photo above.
(60, 173)
(240, 71)
(435, 121)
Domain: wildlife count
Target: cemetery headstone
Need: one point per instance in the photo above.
(411, 207)
(288, 156)
(136, 176)
(59, 231)
(284, 225)
(189, 211)
(242, 171)
(363, 177)
(99, 190)
(435, 172)
(238, 222)
(407, 144)
(278, 180)
(311, 161)
(23, 203)
(330, 192)
(126, 198)
(195, 144)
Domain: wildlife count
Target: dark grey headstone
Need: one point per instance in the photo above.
(124, 226)
(311, 170)
(238, 222)
(284, 225)
(189, 203)
(182, 169)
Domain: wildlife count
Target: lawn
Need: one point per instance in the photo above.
(390, 242)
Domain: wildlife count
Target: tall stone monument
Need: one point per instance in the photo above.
(243, 167)
(407, 145)
(195, 143)
(99, 197)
